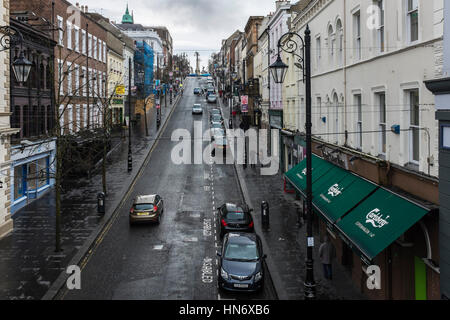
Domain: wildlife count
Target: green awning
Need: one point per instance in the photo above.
(339, 192)
(335, 191)
(380, 220)
(297, 175)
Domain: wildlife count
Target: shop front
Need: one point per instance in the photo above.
(32, 172)
(276, 123)
(370, 226)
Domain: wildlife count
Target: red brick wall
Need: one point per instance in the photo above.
(64, 9)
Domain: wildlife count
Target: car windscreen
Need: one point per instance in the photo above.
(212, 96)
(241, 251)
(143, 206)
(216, 125)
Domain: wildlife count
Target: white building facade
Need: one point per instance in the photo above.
(369, 61)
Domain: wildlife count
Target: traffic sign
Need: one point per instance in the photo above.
(120, 90)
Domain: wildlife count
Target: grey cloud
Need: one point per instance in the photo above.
(193, 24)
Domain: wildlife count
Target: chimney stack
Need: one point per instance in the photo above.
(86, 9)
(78, 5)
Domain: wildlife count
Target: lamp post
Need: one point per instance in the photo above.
(278, 70)
(130, 158)
(21, 66)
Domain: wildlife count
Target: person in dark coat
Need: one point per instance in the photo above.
(327, 253)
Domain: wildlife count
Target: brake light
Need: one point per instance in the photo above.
(224, 223)
(250, 225)
(155, 208)
(132, 210)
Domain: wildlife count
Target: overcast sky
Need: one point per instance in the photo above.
(195, 25)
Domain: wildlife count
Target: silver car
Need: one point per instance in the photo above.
(147, 208)
(197, 109)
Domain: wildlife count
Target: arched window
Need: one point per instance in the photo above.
(331, 42)
(340, 40)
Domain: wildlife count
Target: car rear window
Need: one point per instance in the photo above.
(143, 206)
(235, 215)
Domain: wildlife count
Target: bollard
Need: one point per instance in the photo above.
(101, 203)
(265, 215)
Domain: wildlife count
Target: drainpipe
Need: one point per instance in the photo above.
(344, 26)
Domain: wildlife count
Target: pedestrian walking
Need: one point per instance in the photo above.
(327, 253)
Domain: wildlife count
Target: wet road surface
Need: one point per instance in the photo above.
(176, 259)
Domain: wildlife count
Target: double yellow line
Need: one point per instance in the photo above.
(116, 213)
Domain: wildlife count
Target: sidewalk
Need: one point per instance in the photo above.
(28, 264)
(285, 242)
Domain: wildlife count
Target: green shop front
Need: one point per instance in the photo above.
(369, 221)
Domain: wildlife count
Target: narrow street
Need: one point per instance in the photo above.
(176, 259)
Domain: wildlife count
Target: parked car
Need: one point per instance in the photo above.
(234, 218)
(212, 98)
(241, 263)
(197, 109)
(147, 208)
(220, 143)
(214, 111)
(216, 118)
(216, 130)
(197, 90)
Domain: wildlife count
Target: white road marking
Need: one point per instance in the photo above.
(158, 247)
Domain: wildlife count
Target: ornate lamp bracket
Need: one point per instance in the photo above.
(289, 45)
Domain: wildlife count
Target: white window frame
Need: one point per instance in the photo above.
(381, 33)
(60, 31)
(77, 117)
(85, 115)
(104, 87)
(60, 76)
(84, 82)
(77, 80)
(69, 35)
(359, 120)
(69, 78)
(83, 41)
(104, 51)
(94, 41)
(77, 38)
(357, 34)
(409, 13)
(413, 126)
(318, 50)
(382, 125)
(100, 50)
(89, 44)
(70, 118)
(61, 118)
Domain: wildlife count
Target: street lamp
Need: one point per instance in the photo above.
(289, 45)
(21, 66)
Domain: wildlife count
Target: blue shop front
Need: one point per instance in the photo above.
(32, 171)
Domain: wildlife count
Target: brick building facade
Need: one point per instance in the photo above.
(80, 61)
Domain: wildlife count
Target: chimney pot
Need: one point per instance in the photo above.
(78, 5)
(86, 8)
